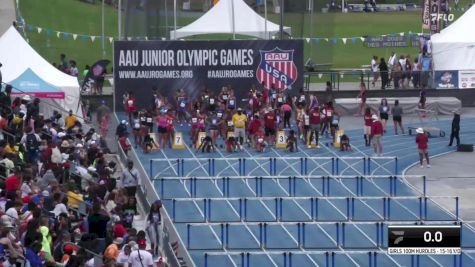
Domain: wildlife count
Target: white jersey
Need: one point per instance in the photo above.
(140, 258)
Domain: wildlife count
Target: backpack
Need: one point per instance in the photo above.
(31, 142)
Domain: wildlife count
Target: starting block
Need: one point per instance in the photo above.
(338, 134)
(281, 141)
(199, 140)
(178, 141)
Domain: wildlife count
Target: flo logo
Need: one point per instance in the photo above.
(442, 17)
(277, 68)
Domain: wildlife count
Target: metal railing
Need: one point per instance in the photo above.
(147, 196)
(352, 77)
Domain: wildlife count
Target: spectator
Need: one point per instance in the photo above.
(384, 70)
(239, 121)
(154, 225)
(141, 257)
(97, 222)
(130, 179)
(374, 70)
(71, 120)
(112, 251)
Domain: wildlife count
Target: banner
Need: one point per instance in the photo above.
(434, 14)
(386, 41)
(466, 79)
(193, 66)
(447, 79)
(96, 71)
(426, 17)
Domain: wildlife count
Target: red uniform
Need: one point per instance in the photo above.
(12, 183)
(376, 128)
(422, 140)
(315, 117)
(269, 120)
(131, 105)
(367, 119)
(254, 126)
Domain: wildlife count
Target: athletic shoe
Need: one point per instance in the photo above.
(428, 166)
(421, 166)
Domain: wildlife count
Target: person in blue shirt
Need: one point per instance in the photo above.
(32, 256)
(426, 67)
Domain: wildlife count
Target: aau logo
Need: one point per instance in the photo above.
(277, 68)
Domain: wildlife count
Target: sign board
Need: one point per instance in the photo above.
(426, 15)
(281, 141)
(434, 11)
(200, 139)
(178, 141)
(446, 79)
(193, 65)
(386, 41)
(466, 79)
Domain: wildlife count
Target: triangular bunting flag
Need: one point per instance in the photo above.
(93, 38)
(146, 38)
(320, 75)
(317, 40)
(326, 39)
(48, 32)
(58, 34)
(344, 40)
(410, 33)
(308, 40)
(84, 38)
(362, 39)
(39, 30)
(164, 39)
(342, 75)
(111, 39)
(334, 41)
(402, 34)
(129, 38)
(75, 36)
(65, 35)
(30, 28)
(353, 40)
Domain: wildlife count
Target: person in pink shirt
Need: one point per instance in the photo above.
(422, 141)
(287, 110)
(162, 128)
(376, 135)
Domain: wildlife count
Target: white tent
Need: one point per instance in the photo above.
(454, 47)
(230, 17)
(21, 61)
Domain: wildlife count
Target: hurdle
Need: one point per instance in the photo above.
(275, 166)
(326, 187)
(349, 212)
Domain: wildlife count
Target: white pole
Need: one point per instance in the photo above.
(234, 26)
(174, 19)
(119, 19)
(103, 41)
(265, 16)
(342, 6)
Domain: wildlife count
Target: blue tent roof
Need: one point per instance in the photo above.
(30, 83)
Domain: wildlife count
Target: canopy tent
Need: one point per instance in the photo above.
(31, 74)
(230, 17)
(30, 83)
(454, 47)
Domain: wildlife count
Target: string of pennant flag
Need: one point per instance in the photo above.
(92, 38)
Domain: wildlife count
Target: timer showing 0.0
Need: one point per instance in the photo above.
(420, 236)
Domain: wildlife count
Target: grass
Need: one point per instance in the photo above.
(77, 17)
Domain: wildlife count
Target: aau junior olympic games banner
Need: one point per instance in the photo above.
(140, 66)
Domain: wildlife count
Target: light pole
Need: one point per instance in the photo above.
(119, 19)
(103, 41)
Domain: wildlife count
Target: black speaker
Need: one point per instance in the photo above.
(465, 148)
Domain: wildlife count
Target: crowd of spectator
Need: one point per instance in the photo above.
(62, 202)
